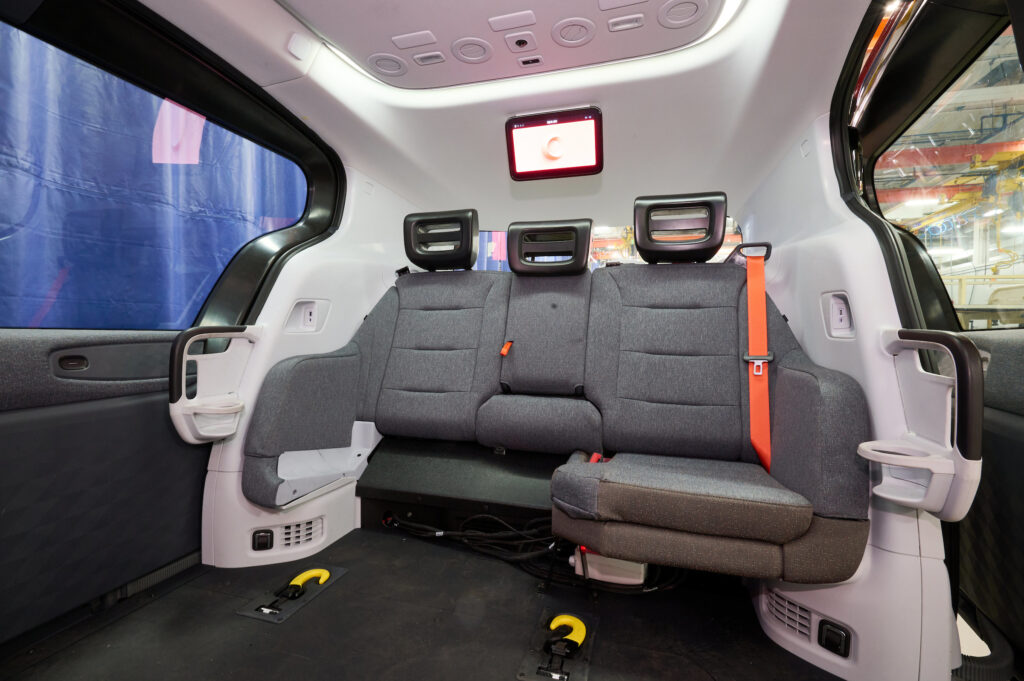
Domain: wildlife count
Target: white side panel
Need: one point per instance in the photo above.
(347, 273)
(897, 604)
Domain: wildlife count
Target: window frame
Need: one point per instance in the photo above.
(911, 81)
(131, 42)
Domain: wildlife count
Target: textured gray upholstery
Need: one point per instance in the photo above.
(702, 496)
(444, 359)
(558, 425)
(374, 339)
(664, 359)
(660, 546)
(547, 322)
(815, 437)
(829, 552)
(306, 402)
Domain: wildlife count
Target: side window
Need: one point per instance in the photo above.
(955, 179)
(607, 244)
(119, 209)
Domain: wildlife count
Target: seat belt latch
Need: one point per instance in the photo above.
(758, 361)
(505, 348)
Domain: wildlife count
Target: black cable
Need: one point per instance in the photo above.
(520, 547)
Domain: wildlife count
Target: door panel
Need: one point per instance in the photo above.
(121, 363)
(992, 534)
(96, 487)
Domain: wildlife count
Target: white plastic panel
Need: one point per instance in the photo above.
(257, 35)
(214, 411)
(342, 277)
(475, 37)
(897, 603)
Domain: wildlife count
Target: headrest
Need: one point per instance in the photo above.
(442, 241)
(549, 247)
(680, 227)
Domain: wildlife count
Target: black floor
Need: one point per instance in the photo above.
(409, 609)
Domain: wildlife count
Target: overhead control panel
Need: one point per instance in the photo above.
(434, 43)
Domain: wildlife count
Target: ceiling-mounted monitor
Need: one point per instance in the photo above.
(555, 144)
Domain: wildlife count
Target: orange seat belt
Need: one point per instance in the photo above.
(757, 357)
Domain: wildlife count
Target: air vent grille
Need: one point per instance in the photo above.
(793, 615)
(298, 534)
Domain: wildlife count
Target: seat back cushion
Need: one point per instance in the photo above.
(665, 359)
(547, 324)
(444, 358)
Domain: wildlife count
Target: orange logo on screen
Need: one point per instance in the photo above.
(550, 147)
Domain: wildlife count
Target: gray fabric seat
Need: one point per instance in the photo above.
(421, 364)
(704, 496)
(665, 368)
(542, 407)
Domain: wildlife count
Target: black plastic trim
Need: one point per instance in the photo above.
(132, 42)
(175, 385)
(843, 160)
(970, 386)
(576, 245)
(419, 237)
(701, 250)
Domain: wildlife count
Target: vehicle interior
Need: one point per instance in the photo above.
(593, 339)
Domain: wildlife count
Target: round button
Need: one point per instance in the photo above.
(471, 50)
(573, 32)
(387, 64)
(680, 13)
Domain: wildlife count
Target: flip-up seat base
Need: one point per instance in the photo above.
(829, 552)
(733, 499)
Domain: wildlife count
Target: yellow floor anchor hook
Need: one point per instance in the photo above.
(293, 590)
(568, 634)
(577, 629)
(304, 577)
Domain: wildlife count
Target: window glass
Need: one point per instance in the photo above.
(607, 244)
(119, 209)
(955, 179)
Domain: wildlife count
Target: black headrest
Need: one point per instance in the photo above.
(442, 241)
(679, 228)
(549, 247)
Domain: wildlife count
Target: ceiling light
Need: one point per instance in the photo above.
(922, 202)
(892, 6)
(1013, 229)
(994, 211)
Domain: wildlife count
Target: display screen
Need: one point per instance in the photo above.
(557, 144)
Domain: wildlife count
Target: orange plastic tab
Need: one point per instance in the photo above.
(505, 348)
(757, 334)
(596, 457)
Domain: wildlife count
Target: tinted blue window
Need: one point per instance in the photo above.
(119, 209)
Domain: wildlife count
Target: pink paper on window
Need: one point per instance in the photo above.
(499, 246)
(177, 135)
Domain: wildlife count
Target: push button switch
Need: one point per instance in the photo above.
(834, 638)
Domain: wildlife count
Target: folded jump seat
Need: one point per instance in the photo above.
(665, 366)
(419, 366)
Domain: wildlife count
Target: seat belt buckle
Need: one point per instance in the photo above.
(758, 361)
(505, 348)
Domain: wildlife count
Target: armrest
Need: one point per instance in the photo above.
(820, 416)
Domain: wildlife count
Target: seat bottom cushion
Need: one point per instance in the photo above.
(731, 499)
(830, 551)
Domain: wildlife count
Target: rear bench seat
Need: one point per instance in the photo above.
(659, 384)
